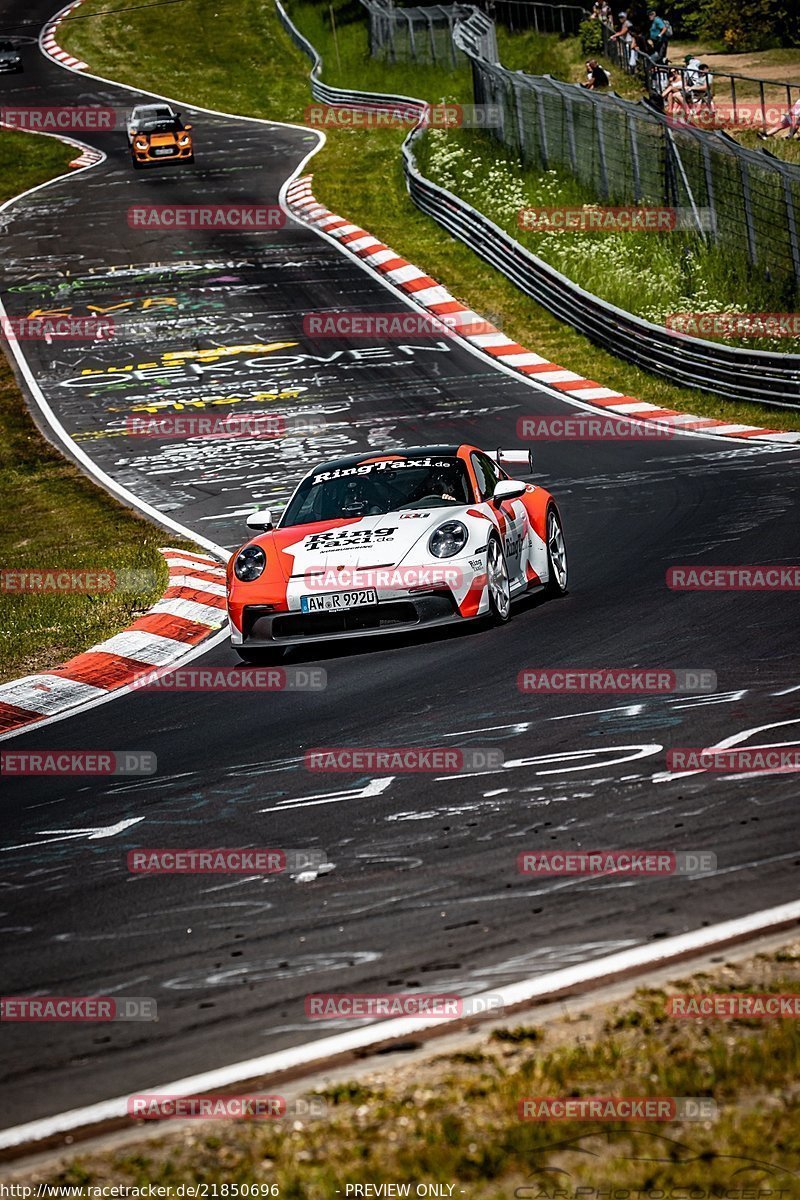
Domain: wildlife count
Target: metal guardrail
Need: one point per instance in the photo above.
(727, 371)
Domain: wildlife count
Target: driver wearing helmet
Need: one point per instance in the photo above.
(445, 482)
(359, 499)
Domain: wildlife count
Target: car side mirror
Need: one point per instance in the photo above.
(508, 489)
(187, 127)
(261, 520)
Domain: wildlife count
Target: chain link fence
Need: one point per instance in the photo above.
(727, 371)
(519, 16)
(421, 35)
(627, 153)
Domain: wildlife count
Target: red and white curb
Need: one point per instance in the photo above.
(49, 42)
(87, 158)
(435, 299)
(191, 610)
(49, 46)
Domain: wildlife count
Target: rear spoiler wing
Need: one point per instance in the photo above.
(511, 458)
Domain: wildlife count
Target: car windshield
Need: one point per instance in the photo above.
(7, 47)
(158, 125)
(370, 489)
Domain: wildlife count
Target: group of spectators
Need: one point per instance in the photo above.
(684, 91)
(676, 91)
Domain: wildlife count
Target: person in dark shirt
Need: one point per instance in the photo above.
(596, 77)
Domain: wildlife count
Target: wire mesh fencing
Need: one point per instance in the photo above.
(519, 16)
(421, 35)
(627, 153)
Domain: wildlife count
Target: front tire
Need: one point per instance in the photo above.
(556, 554)
(499, 585)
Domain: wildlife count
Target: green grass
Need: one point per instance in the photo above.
(222, 66)
(649, 274)
(452, 1118)
(60, 519)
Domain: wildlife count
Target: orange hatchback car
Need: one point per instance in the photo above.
(156, 134)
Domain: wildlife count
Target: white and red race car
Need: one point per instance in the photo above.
(387, 542)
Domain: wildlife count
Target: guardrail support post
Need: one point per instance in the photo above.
(601, 150)
(637, 182)
(791, 223)
(570, 116)
(748, 211)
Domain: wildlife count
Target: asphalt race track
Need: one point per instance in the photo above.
(424, 891)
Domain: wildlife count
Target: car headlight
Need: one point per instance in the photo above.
(184, 139)
(140, 143)
(448, 539)
(249, 564)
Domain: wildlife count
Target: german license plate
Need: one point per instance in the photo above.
(163, 150)
(338, 601)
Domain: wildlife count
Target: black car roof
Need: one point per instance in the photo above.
(352, 460)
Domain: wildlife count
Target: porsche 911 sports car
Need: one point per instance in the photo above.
(157, 134)
(386, 542)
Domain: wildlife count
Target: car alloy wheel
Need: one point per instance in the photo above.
(499, 586)
(556, 555)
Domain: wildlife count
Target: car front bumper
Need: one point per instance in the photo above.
(262, 627)
(146, 158)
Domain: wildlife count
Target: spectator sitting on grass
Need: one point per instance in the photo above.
(790, 121)
(596, 76)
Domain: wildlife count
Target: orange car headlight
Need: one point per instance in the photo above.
(140, 143)
(184, 140)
